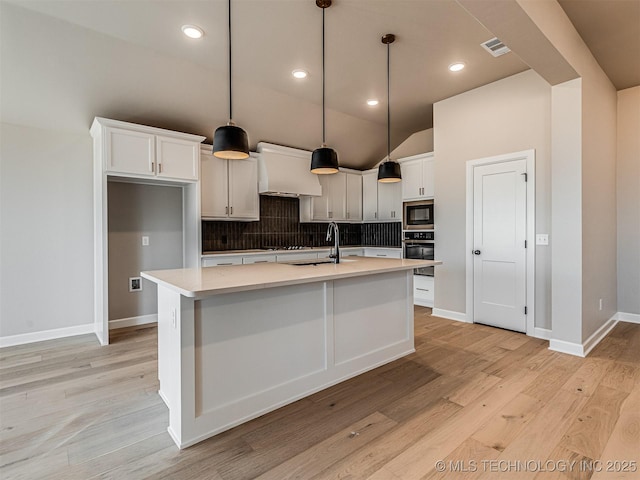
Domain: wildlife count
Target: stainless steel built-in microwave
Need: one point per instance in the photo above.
(418, 215)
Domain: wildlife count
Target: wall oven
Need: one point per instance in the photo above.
(419, 246)
(418, 215)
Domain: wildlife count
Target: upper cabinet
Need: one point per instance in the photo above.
(417, 177)
(341, 199)
(229, 188)
(138, 151)
(381, 202)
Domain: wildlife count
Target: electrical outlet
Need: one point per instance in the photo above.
(135, 284)
(145, 241)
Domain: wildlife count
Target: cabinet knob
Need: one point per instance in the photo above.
(476, 252)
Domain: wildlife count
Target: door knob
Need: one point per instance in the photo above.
(476, 252)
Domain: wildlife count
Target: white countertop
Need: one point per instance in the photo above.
(203, 282)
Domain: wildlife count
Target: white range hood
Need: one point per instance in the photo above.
(285, 171)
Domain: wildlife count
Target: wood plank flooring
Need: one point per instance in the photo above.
(489, 403)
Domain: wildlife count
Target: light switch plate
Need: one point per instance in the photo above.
(542, 239)
(145, 241)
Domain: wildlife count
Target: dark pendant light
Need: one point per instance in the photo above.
(230, 141)
(389, 171)
(324, 159)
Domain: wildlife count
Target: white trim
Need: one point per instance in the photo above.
(582, 350)
(450, 314)
(530, 157)
(627, 317)
(543, 333)
(422, 303)
(23, 338)
(131, 321)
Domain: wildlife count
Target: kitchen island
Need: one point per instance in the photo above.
(235, 342)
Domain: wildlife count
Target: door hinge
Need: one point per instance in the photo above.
(525, 310)
(526, 177)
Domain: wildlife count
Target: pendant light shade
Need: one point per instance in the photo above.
(324, 159)
(389, 171)
(230, 141)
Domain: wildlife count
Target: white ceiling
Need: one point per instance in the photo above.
(64, 62)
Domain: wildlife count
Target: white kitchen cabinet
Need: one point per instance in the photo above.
(417, 177)
(341, 199)
(221, 260)
(177, 158)
(381, 202)
(229, 188)
(423, 290)
(383, 252)
(258, 259)
(138, 151)
(390, 201)
(354, 196)
(370, 196)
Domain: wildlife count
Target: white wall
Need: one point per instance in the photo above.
(506, 116)
(628, 186)
(46, 230)
(136, 210)
(417, 143)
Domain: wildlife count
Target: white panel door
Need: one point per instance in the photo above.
(214, 187)
(499, 231)
(128, 151)
(243, 189)
(354, 196)
(177, 158)
(411, 179)
(370, 196)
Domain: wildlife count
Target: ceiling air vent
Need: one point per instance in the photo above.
(495, 47)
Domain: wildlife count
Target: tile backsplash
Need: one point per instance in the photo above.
(280, 226)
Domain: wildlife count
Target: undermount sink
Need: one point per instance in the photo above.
(314, 262)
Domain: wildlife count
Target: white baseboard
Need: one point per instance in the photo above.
(582, 350)
(628, 317)
(131, 321)
(24, 338)
(543, 333)
(450, 314)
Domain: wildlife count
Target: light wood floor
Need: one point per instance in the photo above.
(71, 409)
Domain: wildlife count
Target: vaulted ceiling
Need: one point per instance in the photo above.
(64, 62)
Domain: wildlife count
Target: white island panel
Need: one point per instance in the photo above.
(260, 345)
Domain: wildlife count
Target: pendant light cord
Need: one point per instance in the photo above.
(323, 94)
(230, 101)
(388, 103)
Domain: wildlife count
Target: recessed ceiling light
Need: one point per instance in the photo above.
(456, 67)
(300, 73)
(192, 31)
(372, 102)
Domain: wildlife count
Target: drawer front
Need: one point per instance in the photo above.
(218, 262)
(285, 257)
(383, 252)
(258, 259)
(423, 287)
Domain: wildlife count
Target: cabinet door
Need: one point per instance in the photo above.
(214, 187)
(177, 158)
(130, 152)
(428, 169)
(390, 201)
(337, 201)
(370, 196)
(243, 189)
(221, 261)
(354, 197)
(412, 179)
(320, 205)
